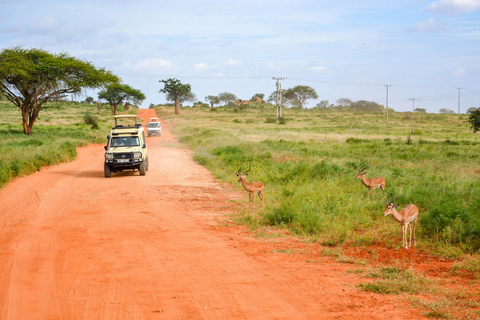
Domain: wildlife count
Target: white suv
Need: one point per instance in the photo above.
(154, 127)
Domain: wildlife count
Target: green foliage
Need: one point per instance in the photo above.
(90, 119)
(227, 98)
(118, 93)
(309, 167)
(30, 78)
(54, 140)
(298, 95)
(474, 120)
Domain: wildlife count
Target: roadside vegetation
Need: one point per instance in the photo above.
(309, 163)
(58, 132)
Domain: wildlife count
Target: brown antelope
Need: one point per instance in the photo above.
(404, 217)
(373, 183)
(253, 187)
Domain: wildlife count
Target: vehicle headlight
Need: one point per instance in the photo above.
(137, 155)
(108, 156)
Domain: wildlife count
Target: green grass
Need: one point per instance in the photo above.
(55, 137)
(309, 165)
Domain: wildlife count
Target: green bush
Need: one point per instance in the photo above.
(89, 119)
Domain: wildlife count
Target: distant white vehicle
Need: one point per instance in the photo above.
(154, 127)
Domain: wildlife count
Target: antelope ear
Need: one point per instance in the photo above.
(395, 206)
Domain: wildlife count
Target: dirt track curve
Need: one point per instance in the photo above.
(76, 245)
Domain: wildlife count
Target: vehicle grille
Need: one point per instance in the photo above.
(123, 155)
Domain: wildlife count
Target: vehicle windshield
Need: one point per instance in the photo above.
(125, 142)
(154, 125)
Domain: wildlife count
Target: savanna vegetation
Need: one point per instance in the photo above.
(310, 163)
(59, 130)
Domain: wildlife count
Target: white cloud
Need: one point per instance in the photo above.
(453, 7)
(430, 25)
(152, 65)
(233, 62)
(459, 72)
(318, 69)
(200, 67)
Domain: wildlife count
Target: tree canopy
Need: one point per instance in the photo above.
(298, 95)
(446, 111)
(118, 93)
(213, 100)
(227, 97)
(30, 78)
(474, 120)
(177, 91)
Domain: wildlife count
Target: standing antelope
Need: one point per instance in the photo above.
(253, 187)
(373, 183)
(404, 217)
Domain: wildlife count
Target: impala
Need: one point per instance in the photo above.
(373, 183)
(404, 217)
(253, 187)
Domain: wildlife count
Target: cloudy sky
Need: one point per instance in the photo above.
(351, 49)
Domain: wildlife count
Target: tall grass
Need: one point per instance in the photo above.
(309, 165)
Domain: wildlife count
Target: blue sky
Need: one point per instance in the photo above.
(343, 49)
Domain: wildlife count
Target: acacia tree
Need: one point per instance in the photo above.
(29, 78)
(227, 97)
(177, 91)
(298, 95)
(212, 100)
(118, 93)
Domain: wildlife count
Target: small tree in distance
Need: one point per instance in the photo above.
(212, 100)
(119, 93)
(297, 96)
(227, 97)
(177, 92)
(446, 111)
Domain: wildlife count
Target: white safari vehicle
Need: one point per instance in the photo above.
(154, 127)
(126, 147)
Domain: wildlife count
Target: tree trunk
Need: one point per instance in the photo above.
(114, 109)
(28, 121)
(177, 106)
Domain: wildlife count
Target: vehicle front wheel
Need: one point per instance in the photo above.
(107, 171)
(143, 169)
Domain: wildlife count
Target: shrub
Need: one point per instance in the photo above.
(88, 118)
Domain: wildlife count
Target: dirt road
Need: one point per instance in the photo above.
(76, 245)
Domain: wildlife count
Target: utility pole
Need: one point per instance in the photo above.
(459, 100)
(279, 97)
(413, 110)
(387, 85)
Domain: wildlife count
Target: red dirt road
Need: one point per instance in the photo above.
(76, 245)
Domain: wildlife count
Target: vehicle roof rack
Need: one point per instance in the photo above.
(126, 116)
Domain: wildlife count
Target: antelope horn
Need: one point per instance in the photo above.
(387, 200)
(393, 199)
(238, 172)
(248, 169)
